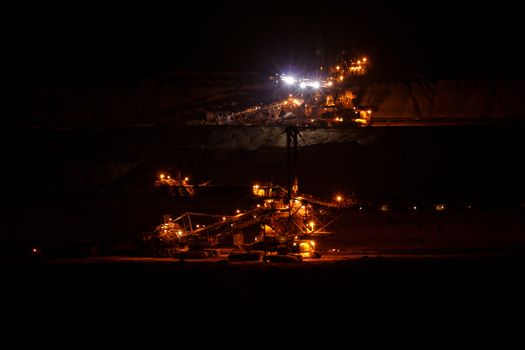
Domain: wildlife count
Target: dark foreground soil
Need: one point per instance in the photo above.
(409, 302)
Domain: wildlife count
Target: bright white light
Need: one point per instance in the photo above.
(315, 85)
(302, 85)
(289, 80)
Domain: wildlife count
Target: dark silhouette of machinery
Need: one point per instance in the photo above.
(178, 186)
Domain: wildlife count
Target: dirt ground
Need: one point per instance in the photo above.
(371, 300)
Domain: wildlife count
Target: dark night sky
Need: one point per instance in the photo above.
(441, 38)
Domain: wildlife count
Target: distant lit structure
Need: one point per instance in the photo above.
(285, 221)
(178, 186)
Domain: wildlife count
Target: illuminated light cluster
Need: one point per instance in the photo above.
(167, 180)
(364, 117)
(258, 191)
(440, 207)
(356, 67)
(289, 80)
(293, 101)
(313, 84)
(303, 83)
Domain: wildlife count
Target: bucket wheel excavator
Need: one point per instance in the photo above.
(282, 225)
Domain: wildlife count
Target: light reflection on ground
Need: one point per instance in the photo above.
(325, 258)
